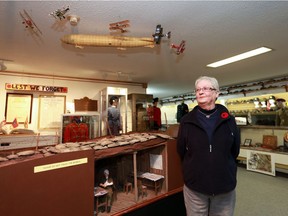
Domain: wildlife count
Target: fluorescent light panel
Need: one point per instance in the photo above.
(239, 57)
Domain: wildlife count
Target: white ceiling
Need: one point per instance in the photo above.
(213, 30)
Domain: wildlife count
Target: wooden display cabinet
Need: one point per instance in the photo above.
(139, 103)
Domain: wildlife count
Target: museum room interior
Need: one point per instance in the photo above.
(64, 66)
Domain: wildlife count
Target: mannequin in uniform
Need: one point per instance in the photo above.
(281, 113)
(156, 114)
(114, 118)
(182, 109)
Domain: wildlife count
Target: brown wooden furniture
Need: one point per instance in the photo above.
(138, 123)
(101, 198)
(128, 187)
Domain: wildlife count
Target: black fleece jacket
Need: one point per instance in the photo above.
(209, 167)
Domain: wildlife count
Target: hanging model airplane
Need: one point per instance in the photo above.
(29, 23)
(159, 34)
(60, 13)
(121, 42)
(122, 25)
(179, 48)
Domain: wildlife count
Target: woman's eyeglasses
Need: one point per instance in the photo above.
(205, 89)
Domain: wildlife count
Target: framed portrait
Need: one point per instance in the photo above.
(51, 108)
(18, 106)
(247, 142)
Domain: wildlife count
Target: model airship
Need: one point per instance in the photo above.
(121, 42)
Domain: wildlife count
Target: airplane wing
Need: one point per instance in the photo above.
(22, 16)
(34, 24)
(121, 23)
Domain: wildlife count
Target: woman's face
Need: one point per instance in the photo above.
(206, 95)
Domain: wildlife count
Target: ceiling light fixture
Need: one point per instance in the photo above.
(239, 57)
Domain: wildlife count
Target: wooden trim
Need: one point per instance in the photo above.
(148, 202)
(79, 79)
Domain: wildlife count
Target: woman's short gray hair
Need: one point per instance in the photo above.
(212, 80)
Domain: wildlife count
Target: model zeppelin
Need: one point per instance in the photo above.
(121, 42)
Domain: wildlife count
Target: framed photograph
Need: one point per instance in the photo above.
(247, 142)
(18, 106)
(51, 108)
(262, 162)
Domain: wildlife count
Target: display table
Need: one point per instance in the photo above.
(151, 177)
(100, 194)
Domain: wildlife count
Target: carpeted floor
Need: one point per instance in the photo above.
(260, 194)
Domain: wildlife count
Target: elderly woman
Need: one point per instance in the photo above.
(208, 144)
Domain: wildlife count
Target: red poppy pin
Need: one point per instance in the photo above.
(224, 115)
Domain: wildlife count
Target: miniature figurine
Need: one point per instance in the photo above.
(106, 182)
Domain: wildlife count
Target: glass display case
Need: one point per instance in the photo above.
(105, 95)
(79, 127)
(139, 104)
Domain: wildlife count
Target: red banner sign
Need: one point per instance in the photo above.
(39, 88)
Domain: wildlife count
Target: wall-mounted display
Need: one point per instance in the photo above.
(18, 106)
(51, 107)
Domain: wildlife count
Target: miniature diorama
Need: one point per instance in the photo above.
(122, 25)
(125, 180)
(159, 34)
(179, 48)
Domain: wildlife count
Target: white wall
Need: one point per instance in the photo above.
(76, 90)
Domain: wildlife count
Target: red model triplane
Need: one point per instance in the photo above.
(179, 48)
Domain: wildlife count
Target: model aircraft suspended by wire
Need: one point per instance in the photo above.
(122, 25)
(28, 22)
(159, 34)
(179, 48)
(60, 13)
(121, 42)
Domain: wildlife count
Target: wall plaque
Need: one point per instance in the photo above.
(85, 104)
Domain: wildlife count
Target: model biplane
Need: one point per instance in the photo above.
(159, 34)
(60, 13)
(122, 25)
(28, 22)
(179, 48)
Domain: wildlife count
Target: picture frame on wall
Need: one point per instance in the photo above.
(18, 106)
(51, 107)
(247, 142)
